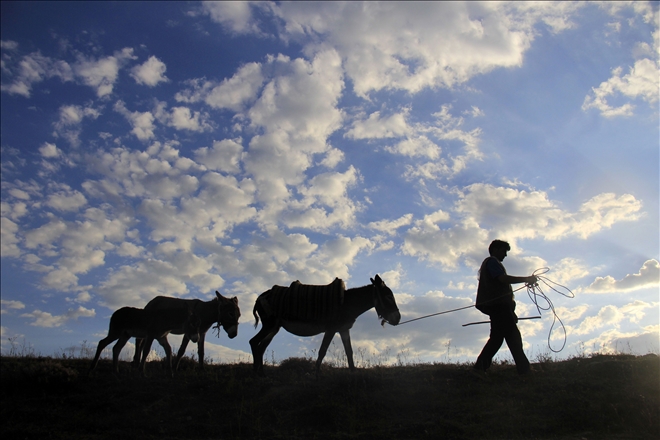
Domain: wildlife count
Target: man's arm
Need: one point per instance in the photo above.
(509, 279)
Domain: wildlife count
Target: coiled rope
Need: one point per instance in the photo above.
(536, 294)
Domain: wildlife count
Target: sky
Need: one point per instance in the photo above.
(179, 148)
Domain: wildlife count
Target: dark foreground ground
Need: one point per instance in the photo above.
(599, 397)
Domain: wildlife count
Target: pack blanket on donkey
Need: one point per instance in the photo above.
(304, 302)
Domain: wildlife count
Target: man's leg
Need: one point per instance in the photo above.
(493, 345)
(515, 344)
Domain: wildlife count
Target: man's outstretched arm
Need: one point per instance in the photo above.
(509, 279)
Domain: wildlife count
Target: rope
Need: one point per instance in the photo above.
(534, 291)
(435, 314)
(460, 308)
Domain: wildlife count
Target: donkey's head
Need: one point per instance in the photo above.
(228, 314)
(385, 303)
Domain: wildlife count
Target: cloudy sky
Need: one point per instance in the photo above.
(181, 148)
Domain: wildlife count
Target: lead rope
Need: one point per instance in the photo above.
(456, 310)
(436, 314)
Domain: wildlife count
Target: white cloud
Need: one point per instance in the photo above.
(390, 227)
(150, 73)
(450, 42)
(49, 150)
(71, 117)
(521, 214)
(19, 194)
(66, 200)
(376, 127)
(74, 114)
(641, 82)
(333, 157)
(280, 258)
(222, 202)
(572, 314)
(138, 283)
(567, 271)
(127, 249)
(297, 112)
(487, 212)
(607, 316)
(9, 241)
(234, 93)
(423, 139)
(45, 235)
(444, 246)
(475, 112)
(74, 248)
(142, 122)
(154, 173)
(34, 68)
(602, 212)
(335, 257)
(419, 146)
(182, 118)
(635, 311)
(393, 277)
(324, 203)
(301, 99)
(9, 304)
(45, 319)
(224, 156)
(634, 342)
(235, 17)
(647, 277)
(612, 317)
(102, 74)
(8, 45)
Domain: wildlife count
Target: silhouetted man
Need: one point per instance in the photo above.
(495, 299)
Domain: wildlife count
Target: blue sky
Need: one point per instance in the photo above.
(166, 148)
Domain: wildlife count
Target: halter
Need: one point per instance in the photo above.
(218, 323)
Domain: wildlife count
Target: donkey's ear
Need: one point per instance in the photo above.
(217, 294)
(235, 299)
(372, 281)
(379, 281)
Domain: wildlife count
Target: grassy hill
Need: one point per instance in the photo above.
(597, 397)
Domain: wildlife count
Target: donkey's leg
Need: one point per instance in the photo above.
(327, 339)
(146, 348)
(200, 349)
(260, 342)
(123, 339)
(168, 352)
(182, 351)
(102, 344)
(346, 340)
(138, 350)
